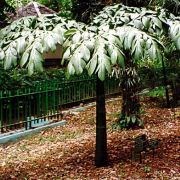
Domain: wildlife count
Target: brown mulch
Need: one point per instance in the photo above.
(67, 152)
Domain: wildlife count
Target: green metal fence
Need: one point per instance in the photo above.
(33, 106)
(41, 103)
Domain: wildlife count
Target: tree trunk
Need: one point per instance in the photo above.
(165, 84)
(130, 103)
(101, 135)
(130, 113)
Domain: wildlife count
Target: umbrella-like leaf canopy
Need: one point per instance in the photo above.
(117, 31)
(25, 40)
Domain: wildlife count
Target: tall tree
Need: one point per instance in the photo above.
(155, 23)
(119, 37)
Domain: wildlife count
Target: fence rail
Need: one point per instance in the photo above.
(42, 102)
(30, 107)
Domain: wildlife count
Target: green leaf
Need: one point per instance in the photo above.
(174, 30)
(131, 36)
(10, 58)
(146, 21)
(31, 39)
(36, 55)
(49, 42)
(152, 52)
(138, 50)
(110, 49)
(119, 41)
(2, 55)
(70, 32)
(125, 19)
(93, 28)
(178, 43)
(26, 22)
(159, 55)
(148, 43)
(77, 62)
(35, 58)
(134, 15)
(86, 53)
(38, 66)
(157, 22)
(133, 119)
(101, 73)
(121, 60)
(76, 37)
(24, 58)
(38, 46)
(70, 69)
(86, 35)
(103, 65)
(30, 68)
(114, 57)
(66, 54)
(107, 64)
(91, 66)
(60, 31)
(89, 44)
(138, 24)
(101, 69)
(21, 45)
(128, 119)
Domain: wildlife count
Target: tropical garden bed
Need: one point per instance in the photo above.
(67, 152)
(119, 40)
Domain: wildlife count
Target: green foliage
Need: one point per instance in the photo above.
(155, 22)
(16, 79)
(153, 77)
(66, 8)
(19, 78)
(158, 23)
(25, 40)
(157, 92)
(147, 169)
(99, 51)
(128, 122)
(174, 32)
(17, 3)
(122, 30)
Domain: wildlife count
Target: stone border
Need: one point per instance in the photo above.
(14, 136)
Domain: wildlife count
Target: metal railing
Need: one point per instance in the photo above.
(42, 102)
(29, 107)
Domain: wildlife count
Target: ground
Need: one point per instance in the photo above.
(67, 152)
